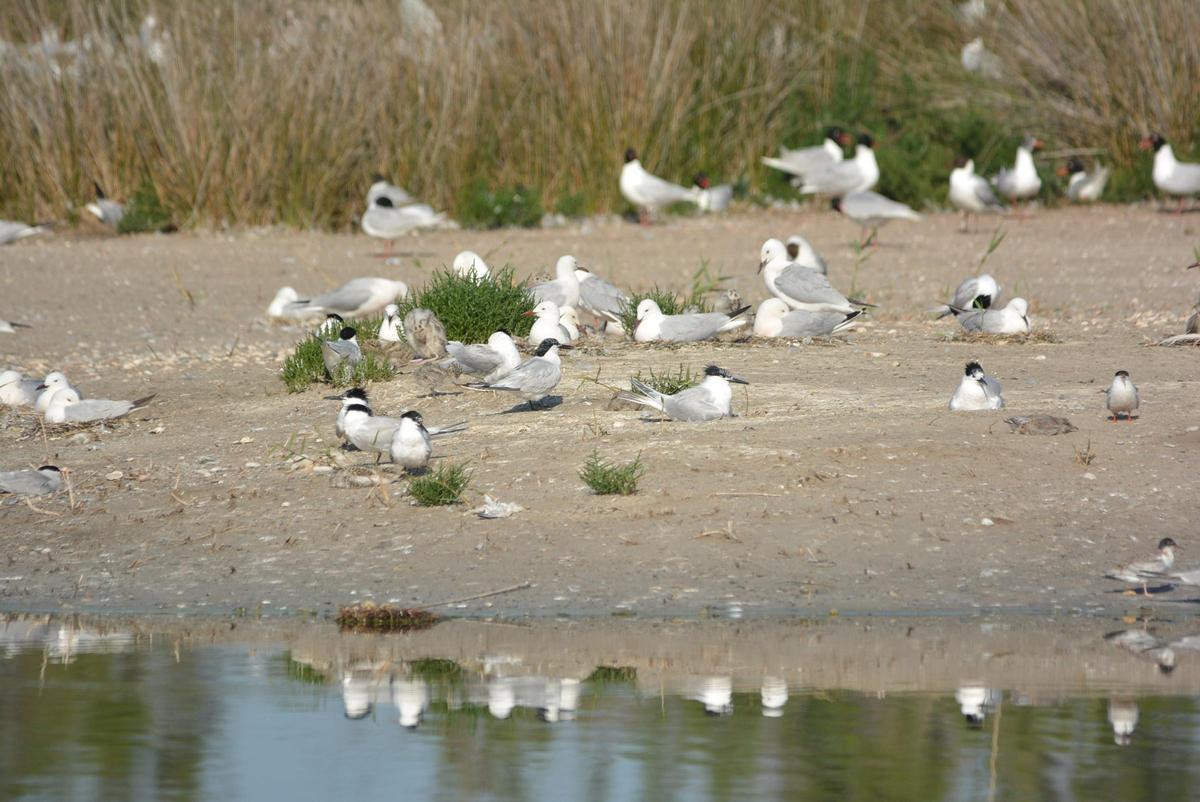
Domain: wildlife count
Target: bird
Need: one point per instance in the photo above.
(569, 319)
(1022, 181)
(1170, 175)
(16, 390)
(800, 251)
(1122, 396)
(66, 407)
(370, 432)
(871, 210)
(107, 211)
(1142, 571)
(775, 318)
(356, 298)
(11, 326)
(410, 447)
(601, 298)
(11, 231)
(710, 198)
(855, 175)
(654, 325)
(287, 305)
(813, 159)
(384, 220)
(975, 292)
(548, 324)
(1123, 716)
(976, 391)
(1192, 326)
(798, 286)
(355, 395)
(971, 193)
(709, 400)
(563, 290)
(535, 377)
(342, 352)
(1012, 318)
(469, 263)
(43, 481)
(491, 361)
(55, 382)
(425, 334)
(1084, 187)
(648, 192)
(391, 329)
(382, 188)
(975, 57)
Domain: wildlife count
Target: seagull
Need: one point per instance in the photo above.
(1123, 716)
(107, 211)
(971, 193)
(976, 391)
(371, 432)
(342, 352)
(709, 400)
(11, 326)
(387, 221)
(776, 319)
(975, 57)
(55, 382)
(1022, 181)
(856, 175)
(1084, 187)
(649, 192)
(569, 319)
(356, 298)
(469, 263)
(11, 231)
(536, 377)
(491, 361)
(871, 210)
(602, 299)
(46, 479)
(287, 305)
(710, 198)
(425, 334)
(798, 286)
(1135, 572)
(391, 330)
(976, 292)
(16, 390)
(1122, 396)
(810, 160)
(66, 407)
(564, 289)
(1171, 176)
(804, 254)
(654, 325)
(411, 448)
(1013, 318)
(382, 188)
(548, 325)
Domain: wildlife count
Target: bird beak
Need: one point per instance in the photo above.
(564, 347)
(1062, 172)
(845, 139)
(761, 265)
(1038, 144)
(334, 398)
(736, 380)
(530, 313)
(40, 387)
(1145, 144)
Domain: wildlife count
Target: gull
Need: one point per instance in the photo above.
(107, 211)
(1084, 187)
(391, 330)
(798, 286)
(11, 231)
(287, 304)
(425, 334)
(976, 391)
(710, 198)
(46, 479)
(469, 263)
(382, 188)
(11, 326)
(1022, 181)
(1013, 318)
(1140, 572)
(66, 407)
(975, 701)
(775, 319)
(411, 447)
(356, 298)
(808, 160)
(548, 324)
(1122, 396)
(1170, 175)
(1141, 643)
(975, 57)
(386, 221)
(871, 210)
(774, 695)
(709, 400)
(975, 292)
(16, 390)
(856, 175)
(1123, 716)
(371, 432)
(604, 300)
(971, 193)
(55, 382)
(342, 352)
(564, 289)
(569, 319)
(491, 361)
(649, 192)
(654, 325)
(536, 377)
(801, 252)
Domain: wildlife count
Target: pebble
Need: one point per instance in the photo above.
(114, 476)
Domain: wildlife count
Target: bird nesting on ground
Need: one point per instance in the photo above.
(425, 333)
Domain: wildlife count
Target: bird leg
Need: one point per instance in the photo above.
(963, 222)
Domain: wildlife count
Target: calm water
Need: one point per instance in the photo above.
(102, 715)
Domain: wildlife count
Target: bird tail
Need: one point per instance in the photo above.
(941, 311)
(141, 402)
(17, 325)
(850, 321)
(778, 164)
(955, 310)
(736, 320)
(453, 428)
(857, 302)
(644, 394)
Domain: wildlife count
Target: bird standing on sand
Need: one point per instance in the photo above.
(563, 289)
(534, 378)
(1170, 175)
(854, 175)
(1022, 181)
(802, 161)
(1122, 396)
(1082, 186)
(1135, 572)
(971, 193)
(871, 210)
(384, 220)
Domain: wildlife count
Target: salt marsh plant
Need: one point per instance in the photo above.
(670, 382)
(471, 308)
(440, 487)
(608, 479)
(305, 366)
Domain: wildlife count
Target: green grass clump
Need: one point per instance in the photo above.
(370, 617)
(441, 487)
(608, 479)
(143, 213)
(472, 309)
(437, 671)
(306, 366)
(613, 674)
(671, 381)
(510, 207)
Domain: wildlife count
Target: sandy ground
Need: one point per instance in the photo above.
(845, 483)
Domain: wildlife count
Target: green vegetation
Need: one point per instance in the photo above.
(372, 617)
(437, 671)
(512, 207)
(608, 479)
(704, 283)
(306, 366)
(613, 674)
(144, 212)
(440, 487)
(670, 382)
(472, 309)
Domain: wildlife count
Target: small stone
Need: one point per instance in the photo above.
(114, 476)
(1089, 475)
(243, 441)
(159, 429)
(252, 465)
(986, 522)
(323, 469)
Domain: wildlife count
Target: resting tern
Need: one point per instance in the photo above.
(46, 479)
(1122, 397)
(1082, 186)
(391, 329)
(654, 325)
(536, 377)
(976, 391)
(709, 400)
(776, 319)
(342, 352)
(976, 292)
(649, 192)
(815, 159)
(971, 193)
(798, 286)
(855, 175)
(371, 432)
(55, 382)
(1013, 318)
(1170, 175)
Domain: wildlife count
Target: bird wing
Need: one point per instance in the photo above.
(871, 204)
(477, 359)
(24, 483)
(801, 161)
(346, 298)
(693, 405)
(549, 291)
(532, 376)
(690, 328)
(11, 231)
(808, 286)
(602, 298)
(660, 192)
(984, 193)
(91, 409)
(377, 431)
(803, 323)
(837, 178)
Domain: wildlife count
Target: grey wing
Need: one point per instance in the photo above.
(872, 204)
(10, 231)
(808, 286)
(972, 321)
(662, 192)
(836, 179)
(378, 432)
(802, 323)
(984, 192)
(966, 293)
(534, 376)
(346, 298)
(602, 298)
(1193, 323)
(690, 328)
(24, 483)
(693, 405)
(345, 349)
(478, 359)
(550, 291)
(799, 162)
(91, 409)
(991, 321)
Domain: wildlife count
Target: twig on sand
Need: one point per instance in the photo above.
(522, 586)
(726, 533)
(29, 503)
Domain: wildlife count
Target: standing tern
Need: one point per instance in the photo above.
(1082, 186)
(548, 325)
(1135, 572)
(976, 292)
(1022, 181)
(648, 192)
(491, 361)
(469, 263)
(856, 175)
(410, 447)
(710, 198)
(343, 351)
(45, 480)
(976, 391)
(1122, 396)
(391, 329)
(1170, 175)
(16, 390)
(971, 193)
(384, 220)
(801, 252)
(815, 159)
(536, 377)
(382, 188)
(1013, 318)
(871, 210)
(709, 400)
(798, 286)
(66, 407)
(563, 290)
(356, 298)
(11, 231)
(775, 319)
(107, 211)
(654, 325)
(355, 395)
(371, 432)
(604, 300)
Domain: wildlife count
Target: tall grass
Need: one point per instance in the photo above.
(278, 112)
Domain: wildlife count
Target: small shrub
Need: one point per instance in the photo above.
(306, 366)
(437, 671)
(670, 382)
(144, 212)
(472, 309)
(371, 617)
(607, 479)
(441, 487)
(510, 207)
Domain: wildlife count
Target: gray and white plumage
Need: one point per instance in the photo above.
(385, 220)
(976, 391)
(11, 231)
(563, 289)
(775, 319)
(342, 353)
(870, 209)
(975, 292)
(801, 251)
(853, 175)
(411, 446)
(1142, 571)
(1012, 318)
(801, 161)
(107, 211)
(601, 298)
(1022, 180)
(1171, 175)
(391, 328)
(287, 305)
(536, 377)
(382, 188)
(710, 198)
(11, 326)
(469, 263)
(43, 481)
(798, 286)
(371, 432)
(548, 325)
(67, 407)
(709, 400)
(648, 191)
(353, 396)
(356, 298)
(491, 361)
(971, 193)
(1085, 187)
(425, 334)
(16, 390)
(54, 382)
(1122, 396)
(654, 325)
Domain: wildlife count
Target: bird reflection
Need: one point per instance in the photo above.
(501, 697)
(359, 686)
(976, 701)
(411, 698)
(716, 694)
(774, 696)
(1148, 645)
(1123, 716)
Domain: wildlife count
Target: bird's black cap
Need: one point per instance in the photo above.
(546, 344)
(348, 333)
(412, 414)
(356, 392)
(1124, 373)
(385, 201)
(972, 367)
(630, 155)
(56, 469)
(866, 139)
(836, 204)
(377, 177)
(1166, 541)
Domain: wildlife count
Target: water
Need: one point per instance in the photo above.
(605, 711)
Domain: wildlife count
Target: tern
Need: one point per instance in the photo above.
(855, 175)
(356, 298)
(798, 286)
(709, 400)
(16, 390)
(604, 300)
(491, 361)
(648, 192)
(975, 292)
(371, 432)
(342, 352)
(536, 377)
(107, 211)
(1013, 318)
(11, 231)
(654, 325)
(775, 319)
(1022, 181)
(1171, 175)
(66, 407)
(45, 480)
(801, 252)
(710, 198)
(1084, 187)
(1142, 571)
(469, 263)
(384, 220)
(411, 447)
(810, 160)
(548, 324)
(976, 391)
(353, 396)
(564, 289)
(382, 188)
(971, 193)
(1122, 397)
(871, 210)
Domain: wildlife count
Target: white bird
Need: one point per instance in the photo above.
(411, 447)
(370, 432)
(569, 318)
(548, 325)
(384, 220)
(1171, 175)
(353, 396)
(1012, 318)
(46, 479)
(775, 319)
(855, 175)
(604, 300)
(1123, 716)
(710, 198)
(356, 298)
(342, 352)
(469, 263)
(391, 329)
(709, 400)
(287, 305)
(808, 160)
(1122, 397)
(971, 193)
(16, 390)
(649, 192)
(975, 292)
(66, 407)
(331, 325)
(11, 326)
(1022, 181)
(107, 211)
(1141, 572)
(977, 58)
(55, 382)
(563, 290)
(11, 231)
(976, 391)
(801, 252)
(491, 361)
(871, 210)
(382, 188)
(798, 286)
(1082, 186)
(654, 325)
(535, 377)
